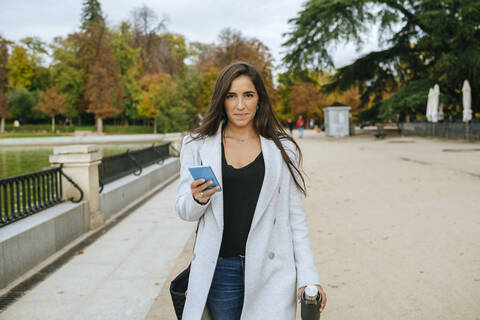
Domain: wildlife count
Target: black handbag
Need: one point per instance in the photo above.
(179, 286)
(178, 291)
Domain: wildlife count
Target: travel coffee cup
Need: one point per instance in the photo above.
(310, 303)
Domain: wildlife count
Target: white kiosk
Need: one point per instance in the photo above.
(337, 120)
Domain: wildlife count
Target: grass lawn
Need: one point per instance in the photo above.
(42, 130)
(32, 135)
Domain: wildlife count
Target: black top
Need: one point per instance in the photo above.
(241, 188)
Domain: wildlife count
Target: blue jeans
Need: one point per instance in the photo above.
(300, 132)
(225, 299)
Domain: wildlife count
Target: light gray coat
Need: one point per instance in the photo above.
(278, 257)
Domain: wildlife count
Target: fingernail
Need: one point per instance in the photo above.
(202, 180)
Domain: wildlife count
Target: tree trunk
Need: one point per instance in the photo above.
(99, 125)
(155, 125)
(53, 124)
(2, 125)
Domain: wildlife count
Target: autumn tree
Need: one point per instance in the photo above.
(21, 67)
(425, 42)
(307, 100)
(170, 101)
(154, 50)
(51, 102)
(152, 84)
(3, 81)
(25, 65)
(104, 90)
(300, 94)
(37, 49)
(232, 47)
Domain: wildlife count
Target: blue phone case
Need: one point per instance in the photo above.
(204, 172)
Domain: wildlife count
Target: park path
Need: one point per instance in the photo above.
(395, 228)
(116, 277)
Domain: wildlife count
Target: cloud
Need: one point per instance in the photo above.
(196, 20)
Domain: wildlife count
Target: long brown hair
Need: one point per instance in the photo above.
(265, 121)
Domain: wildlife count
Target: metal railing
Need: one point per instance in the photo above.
(26, 194)
(120, 165)
(450, 130)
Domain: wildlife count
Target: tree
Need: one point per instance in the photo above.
(306, 99)
(69, 73)
(127, 57)
(150, 85)
(425, 40)
(232, 47)
(21, 67)
(154, 51)
(104, 90)
(3, 81)
(21, 105)
(51, 102)
(170, 100)
(25, 64)
(91, 15)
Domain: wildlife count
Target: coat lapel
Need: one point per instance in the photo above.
(211, 155)
(273, 162)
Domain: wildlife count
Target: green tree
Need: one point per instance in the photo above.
(21, 105)
(170, 101)
(3, 81)
(68, 72)
(424, 40)
(127, 57)
(91, 15)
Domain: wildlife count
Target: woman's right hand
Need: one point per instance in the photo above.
(198, 190)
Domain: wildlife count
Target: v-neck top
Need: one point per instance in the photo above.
(241, 189)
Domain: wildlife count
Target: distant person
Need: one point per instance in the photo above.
(257, 165)
(312, 123)
(290, 124)
(300, 126)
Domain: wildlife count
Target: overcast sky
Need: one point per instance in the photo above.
(201, 21)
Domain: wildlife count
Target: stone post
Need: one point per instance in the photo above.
(81, 163)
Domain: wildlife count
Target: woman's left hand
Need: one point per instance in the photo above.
(322, 293)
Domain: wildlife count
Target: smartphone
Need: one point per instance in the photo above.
(205, 172)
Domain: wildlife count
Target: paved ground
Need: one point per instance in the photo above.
(116, 277)
(395, 227)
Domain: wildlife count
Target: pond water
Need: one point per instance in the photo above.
(19, 160)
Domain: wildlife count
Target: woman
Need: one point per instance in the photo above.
(252, 254)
